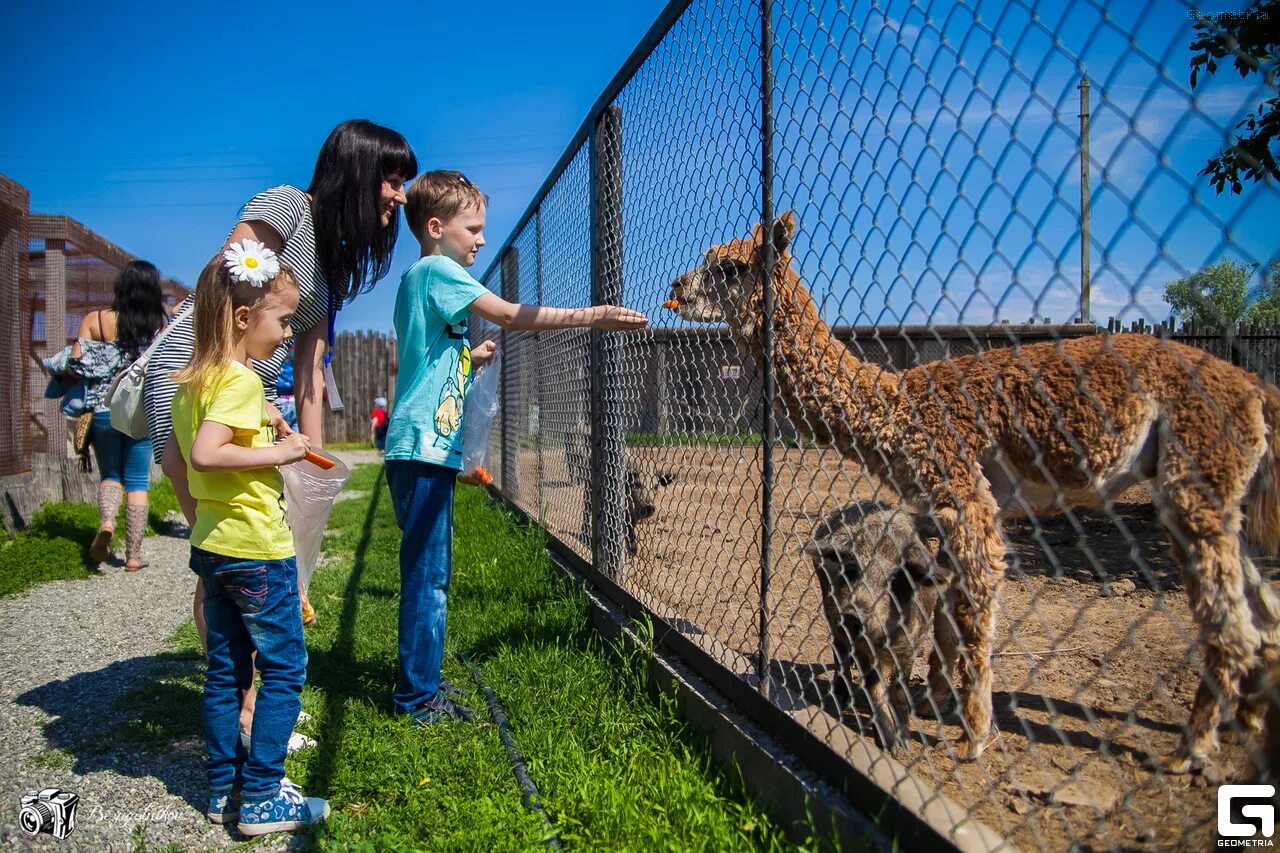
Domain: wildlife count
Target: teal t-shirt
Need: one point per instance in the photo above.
(432, 307)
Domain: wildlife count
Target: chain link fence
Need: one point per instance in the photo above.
(976, 566)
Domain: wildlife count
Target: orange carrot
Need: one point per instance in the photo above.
(673, 304)
(478, 477)
(308, 612)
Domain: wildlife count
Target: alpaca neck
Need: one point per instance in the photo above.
(830, 396)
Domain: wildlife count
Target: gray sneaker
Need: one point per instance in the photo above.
(440, 709)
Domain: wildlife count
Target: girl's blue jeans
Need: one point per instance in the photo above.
(250, 605)
(422, 495)
(121, 459)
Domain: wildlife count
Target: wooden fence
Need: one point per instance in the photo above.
(364, 367)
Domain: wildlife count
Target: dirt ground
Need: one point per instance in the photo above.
(1094, 668)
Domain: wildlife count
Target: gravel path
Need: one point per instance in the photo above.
(68, 650)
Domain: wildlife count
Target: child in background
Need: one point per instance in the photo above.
(446, 213)
(241, 547)
(378, 423)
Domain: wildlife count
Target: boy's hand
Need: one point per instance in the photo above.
(293, 448)
(612, 318)
(483, 353)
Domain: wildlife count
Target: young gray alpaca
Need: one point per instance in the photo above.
(879, 594)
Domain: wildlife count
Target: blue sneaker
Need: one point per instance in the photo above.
(224, 808)
(286, 811)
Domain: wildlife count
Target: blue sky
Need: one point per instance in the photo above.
(153, 122)
(930, 157)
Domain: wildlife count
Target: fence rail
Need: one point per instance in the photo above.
(847, 201)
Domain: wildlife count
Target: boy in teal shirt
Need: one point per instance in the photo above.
(437, 296)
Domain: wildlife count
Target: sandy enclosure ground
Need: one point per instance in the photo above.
(1094, 668)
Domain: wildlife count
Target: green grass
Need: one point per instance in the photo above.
(348, 445)
(615, 769)
(55, 544)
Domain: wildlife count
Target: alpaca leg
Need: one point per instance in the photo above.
(942, 658)
(1265, 608)
(974, 543)
(842, 647)
(1230, 642)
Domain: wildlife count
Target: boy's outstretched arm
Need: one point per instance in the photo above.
(212, 450)
(528, 318)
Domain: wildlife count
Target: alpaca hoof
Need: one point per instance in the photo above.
(1179, 764)
(970, 750)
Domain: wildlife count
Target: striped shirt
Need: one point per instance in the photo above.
(288, 211)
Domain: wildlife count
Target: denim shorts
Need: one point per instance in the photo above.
(121, 459)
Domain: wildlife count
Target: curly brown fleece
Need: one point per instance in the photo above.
(969, 440)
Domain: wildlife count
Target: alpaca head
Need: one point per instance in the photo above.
(726, 286)
(642, 491)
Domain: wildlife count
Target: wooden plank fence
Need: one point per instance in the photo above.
(364, 367)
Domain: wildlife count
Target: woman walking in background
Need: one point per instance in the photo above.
(107, 342)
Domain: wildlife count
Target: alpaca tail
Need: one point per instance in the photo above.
(1263, 507)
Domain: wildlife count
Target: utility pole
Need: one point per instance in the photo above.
(1084, 199)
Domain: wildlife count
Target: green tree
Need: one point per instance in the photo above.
(1266, 307)
(1216, 295)
(1251, 39)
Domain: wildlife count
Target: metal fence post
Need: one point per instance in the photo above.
(767, 262)
(537, 355)
(510, 451)
(608, 444)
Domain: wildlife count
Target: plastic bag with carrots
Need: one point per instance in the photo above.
(477, 421)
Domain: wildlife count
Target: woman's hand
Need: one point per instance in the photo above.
(483, 354)
(278, 423)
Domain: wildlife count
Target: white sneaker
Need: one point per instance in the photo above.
(304, 717)
(297, 741)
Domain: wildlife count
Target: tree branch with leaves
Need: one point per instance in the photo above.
(1251, 41)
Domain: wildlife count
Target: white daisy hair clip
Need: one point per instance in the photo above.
(251, 262)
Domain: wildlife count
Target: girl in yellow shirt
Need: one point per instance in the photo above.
(241, 546)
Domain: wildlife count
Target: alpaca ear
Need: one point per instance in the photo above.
(835, 545)
(784, 228)
(666, 478)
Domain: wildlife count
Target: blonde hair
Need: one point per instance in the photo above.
(217, 298)
(443, 194)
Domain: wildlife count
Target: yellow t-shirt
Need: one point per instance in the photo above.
(238, 513)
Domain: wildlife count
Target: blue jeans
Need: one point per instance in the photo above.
(121, 459)
(250, 605)
(422, 495)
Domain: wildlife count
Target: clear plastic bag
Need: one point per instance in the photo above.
(309, 492)
(477, 420)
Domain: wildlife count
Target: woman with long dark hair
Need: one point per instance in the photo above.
(337, 237)
(107, 341)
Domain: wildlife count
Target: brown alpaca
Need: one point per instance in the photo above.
(1043, 427)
